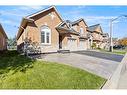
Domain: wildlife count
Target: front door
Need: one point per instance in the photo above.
(60, 42)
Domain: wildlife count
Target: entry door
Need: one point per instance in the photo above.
(60, 42)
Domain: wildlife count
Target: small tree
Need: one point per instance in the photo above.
(12, 43)
(123, 42)
(94, 45)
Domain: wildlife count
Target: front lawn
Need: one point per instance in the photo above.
(121, 52)
(20, 72)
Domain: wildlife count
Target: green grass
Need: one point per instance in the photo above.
(121, 52)
(19, 72)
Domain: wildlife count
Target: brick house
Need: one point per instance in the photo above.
(97, 34)
(52, 33)
(3, 39)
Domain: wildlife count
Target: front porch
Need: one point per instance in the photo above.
(67, 39)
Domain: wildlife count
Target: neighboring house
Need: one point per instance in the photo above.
(3, 39)
(106, 41)
(52, 33)
(73, 35)
(97, 34)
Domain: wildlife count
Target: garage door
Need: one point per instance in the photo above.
(72, 44)
(82, 45)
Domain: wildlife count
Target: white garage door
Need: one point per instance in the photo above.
(72, 44)
(82, 45)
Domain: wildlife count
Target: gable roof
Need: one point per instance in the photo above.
(22, 25)
(68, 28)
(105, 35)
(3, 32)
(79, 20)
(66, 22)
(29, 18)
(94, 27)
(44, 10)
(69, 25)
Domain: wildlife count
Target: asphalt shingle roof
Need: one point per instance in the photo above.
(93, 27)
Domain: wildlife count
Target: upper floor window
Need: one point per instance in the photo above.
(81, 31)
(45, 35)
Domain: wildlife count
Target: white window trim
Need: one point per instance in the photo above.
(46, 36)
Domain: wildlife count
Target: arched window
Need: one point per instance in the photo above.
(45, 35)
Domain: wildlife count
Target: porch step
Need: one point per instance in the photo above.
(63, 51)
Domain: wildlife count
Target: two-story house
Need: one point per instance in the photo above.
(106, 41)
(97, 34)
(52, 33)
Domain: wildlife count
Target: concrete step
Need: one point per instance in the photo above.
(63, 51)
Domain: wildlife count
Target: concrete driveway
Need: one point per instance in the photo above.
(95, 65)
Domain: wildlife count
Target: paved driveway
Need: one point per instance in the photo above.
(98, 66)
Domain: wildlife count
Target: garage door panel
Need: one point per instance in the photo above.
(72, 44)
(82, 45)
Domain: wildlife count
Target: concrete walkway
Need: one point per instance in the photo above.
(101, 67)
(122, 83)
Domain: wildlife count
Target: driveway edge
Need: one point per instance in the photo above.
(112, 83)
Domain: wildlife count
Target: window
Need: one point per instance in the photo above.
(42, 37)
(81, 31)
(45, 35)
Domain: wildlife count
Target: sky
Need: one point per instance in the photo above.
(11, 16)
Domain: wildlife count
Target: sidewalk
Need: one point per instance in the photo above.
(122, 84)
(119, 78)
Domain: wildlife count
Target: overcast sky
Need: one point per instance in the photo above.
(10, 16)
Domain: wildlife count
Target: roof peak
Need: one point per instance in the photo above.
(40, 11)
(78, 20)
